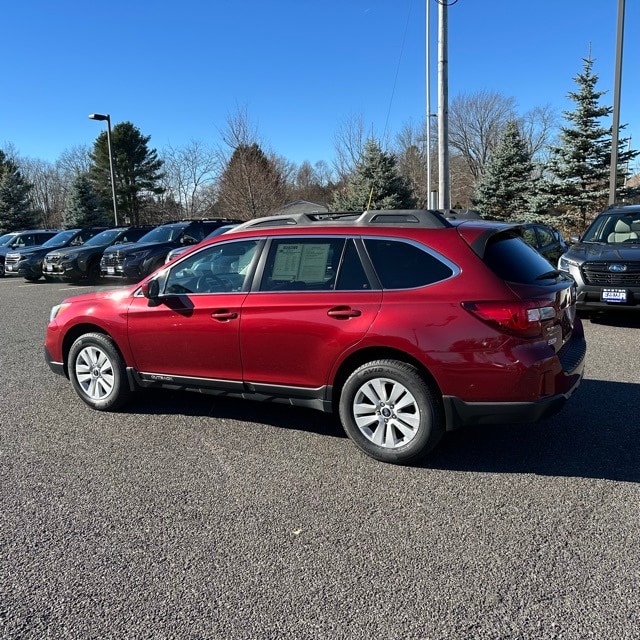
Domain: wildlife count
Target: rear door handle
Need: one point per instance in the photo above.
(343, 313)
(224, 314)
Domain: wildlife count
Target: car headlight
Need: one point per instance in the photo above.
(57, 309)
(565, 263)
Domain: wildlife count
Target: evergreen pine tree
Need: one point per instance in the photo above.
(580, 166)
(375, 184)
(16, 212)
(84, 208)
(506, 188)
(137, 169)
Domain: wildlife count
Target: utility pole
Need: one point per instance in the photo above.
(428, 69)
(615, 130)
(444, 187)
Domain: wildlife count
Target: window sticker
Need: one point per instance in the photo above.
(305, 262)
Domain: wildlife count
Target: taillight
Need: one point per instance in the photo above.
(518, 317)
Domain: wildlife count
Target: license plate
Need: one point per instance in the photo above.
(614, 295)
(111, 270)
(49, 267)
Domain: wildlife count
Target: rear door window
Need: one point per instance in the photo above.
(405, 265)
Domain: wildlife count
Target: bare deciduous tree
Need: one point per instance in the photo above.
(253, 183)
(348, 142)
(188, 170)
(476, 122)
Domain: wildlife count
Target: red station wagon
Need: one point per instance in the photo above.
(403, 322)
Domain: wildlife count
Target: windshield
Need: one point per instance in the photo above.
(6, 239)
(105, 237)
(614, 229)
(60, 238)
(165, 233)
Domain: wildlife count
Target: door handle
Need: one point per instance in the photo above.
(224, 314)
(343, 313)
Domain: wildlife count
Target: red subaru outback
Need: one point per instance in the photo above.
(405, 323)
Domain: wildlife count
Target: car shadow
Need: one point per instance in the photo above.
(596, 435)
(184, 403)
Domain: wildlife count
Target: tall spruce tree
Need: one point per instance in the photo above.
(580, 165)
(506, 188)
(84, 208)
(136, 166)
(375, 184)
(16, 212)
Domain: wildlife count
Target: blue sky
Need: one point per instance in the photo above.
(177, 70)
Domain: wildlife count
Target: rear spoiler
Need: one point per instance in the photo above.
(478, 234)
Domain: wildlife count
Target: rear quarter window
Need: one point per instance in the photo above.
(513, 260)
(403, 265)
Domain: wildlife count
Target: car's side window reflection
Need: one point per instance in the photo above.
(221, 268)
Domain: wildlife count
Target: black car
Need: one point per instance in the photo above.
(19, 239)
(546, 239)
(136, 260)
(83, 263)
(27, 262)
(605, 261)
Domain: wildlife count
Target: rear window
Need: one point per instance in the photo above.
(513, 260)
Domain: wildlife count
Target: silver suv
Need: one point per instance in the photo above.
(605, 261)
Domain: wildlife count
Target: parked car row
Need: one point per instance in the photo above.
(604, 262)
(90, 253)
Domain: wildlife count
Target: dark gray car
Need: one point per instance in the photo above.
(605, 261)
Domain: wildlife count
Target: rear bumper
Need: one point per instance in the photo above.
(459, 413)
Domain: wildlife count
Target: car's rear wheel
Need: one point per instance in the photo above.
(97, 372)
(391, 412)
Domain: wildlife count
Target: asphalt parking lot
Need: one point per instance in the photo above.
(189, 517)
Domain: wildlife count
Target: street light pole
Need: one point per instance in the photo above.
(102, 117)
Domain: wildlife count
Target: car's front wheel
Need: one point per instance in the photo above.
(97, 372)
(391, 412)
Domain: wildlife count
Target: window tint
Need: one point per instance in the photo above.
(193, 234)
(221, 268)
(351, 274)
(546, 237)
(529, 235)
(401, 265)
(302, 264)
(131, 235)
(514, 260)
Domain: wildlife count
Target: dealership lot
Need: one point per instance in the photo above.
(186, 516)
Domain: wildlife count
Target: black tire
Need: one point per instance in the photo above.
(32, 278)
(93, 273)
(97, 372)
(390, 412)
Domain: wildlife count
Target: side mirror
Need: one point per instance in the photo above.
(574, 239)
(150, 289)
